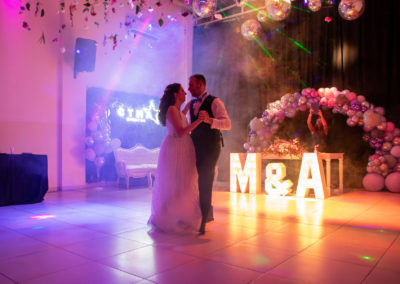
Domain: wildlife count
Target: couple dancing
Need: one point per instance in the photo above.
(182, 193)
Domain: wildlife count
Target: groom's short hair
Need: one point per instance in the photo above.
(199, 78)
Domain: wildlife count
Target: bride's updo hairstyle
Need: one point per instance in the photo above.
(167, 100)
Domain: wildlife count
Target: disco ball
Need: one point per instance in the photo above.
(314, 5)
(351, 9)
(204, 8)
(278, 10)
(250, 29)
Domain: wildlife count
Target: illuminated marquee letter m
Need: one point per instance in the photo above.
(246, 177)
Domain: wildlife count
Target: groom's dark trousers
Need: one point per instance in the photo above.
(207, 144)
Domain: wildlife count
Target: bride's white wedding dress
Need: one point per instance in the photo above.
(175, 202)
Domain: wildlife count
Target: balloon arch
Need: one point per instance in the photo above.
(383, 167)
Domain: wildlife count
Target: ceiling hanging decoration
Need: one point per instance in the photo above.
(205, 11)
(314, 5)
(351, 9)
(278, 10)
(250, 29)
(204, 8)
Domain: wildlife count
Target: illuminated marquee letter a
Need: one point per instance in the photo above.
(310, 164)
(247, 176)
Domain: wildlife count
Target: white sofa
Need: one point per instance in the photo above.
(136, 162)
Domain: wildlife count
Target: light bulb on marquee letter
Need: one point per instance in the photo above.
(311, 163)
(247, 176)
(274, 186)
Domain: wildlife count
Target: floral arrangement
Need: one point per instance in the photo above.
(282, 147)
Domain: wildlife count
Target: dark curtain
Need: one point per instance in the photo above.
(303, 51)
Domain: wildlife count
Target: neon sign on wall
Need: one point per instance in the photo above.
(138, 115)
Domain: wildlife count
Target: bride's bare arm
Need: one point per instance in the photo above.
(175, 118)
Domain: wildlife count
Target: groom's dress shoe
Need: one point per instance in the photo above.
(210, 216)
(202, 229)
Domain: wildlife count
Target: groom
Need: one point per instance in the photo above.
(207, 139)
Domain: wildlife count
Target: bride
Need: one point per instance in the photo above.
(175, 201)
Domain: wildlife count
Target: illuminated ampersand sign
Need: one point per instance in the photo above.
(274, 184)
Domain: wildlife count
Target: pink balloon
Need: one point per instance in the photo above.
(99, 162)
(350, 122)
(306, 92)
(372, 118)
(373, 182)
(389, 126)
(99, 148)
(395, 151)
(333, 89)
(392, 182)
(92, 126)
(396, 132)
(388, 136)
(90, 154)
(380, 110)
(390, 160)
(383, 167)
(89, 141)
(382, 126)
(373, 157)
(361, 99)
(351, 96)
(107, 147)
(303, 107)
(367, 128)
(386, 146)
(331, 103)
(314, 93)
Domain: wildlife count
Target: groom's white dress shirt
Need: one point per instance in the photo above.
(221, 119)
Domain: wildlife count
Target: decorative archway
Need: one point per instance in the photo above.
(383, 168)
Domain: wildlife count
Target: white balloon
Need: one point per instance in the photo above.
(90, 154)
(115, 143)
